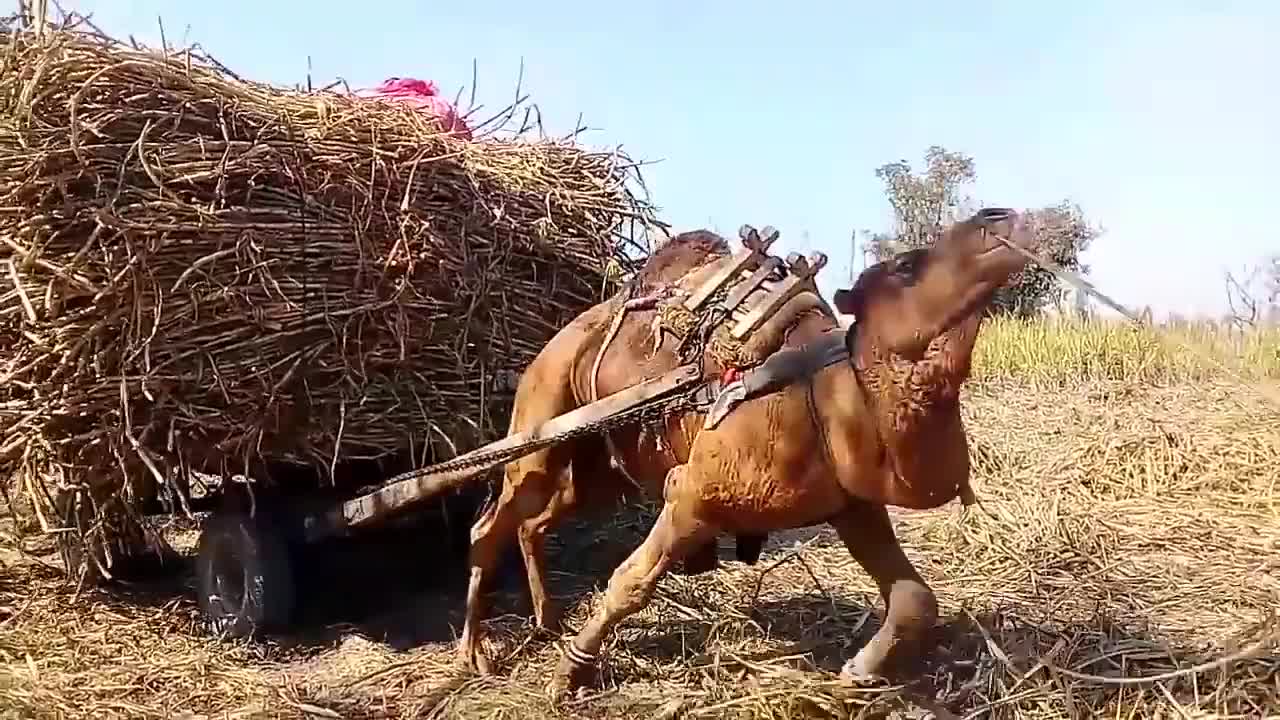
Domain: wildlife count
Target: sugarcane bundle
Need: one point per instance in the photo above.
(198, 272)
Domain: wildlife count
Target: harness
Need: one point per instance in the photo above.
(717, 318)
(779, 370)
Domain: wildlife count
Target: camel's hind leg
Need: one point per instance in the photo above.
(677, 531)
(525, 495)
(910, 606)
(533, 537)
(589, 480)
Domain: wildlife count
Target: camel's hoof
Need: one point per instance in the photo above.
(472, 657)
(569, 677)
(855, 672)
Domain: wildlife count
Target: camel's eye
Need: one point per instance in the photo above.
(907, 265)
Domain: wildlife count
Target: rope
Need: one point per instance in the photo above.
(594, 389)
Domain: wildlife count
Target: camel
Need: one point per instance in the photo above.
(675, 259)
(835, 444)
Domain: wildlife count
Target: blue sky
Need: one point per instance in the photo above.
(1162, 119)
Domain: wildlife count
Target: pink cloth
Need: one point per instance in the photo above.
(421, 94)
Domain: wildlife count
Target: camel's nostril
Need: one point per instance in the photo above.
(995, 215)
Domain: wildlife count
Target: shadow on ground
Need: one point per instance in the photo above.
(406, 586)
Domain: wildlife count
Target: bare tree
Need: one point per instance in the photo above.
(1253, 294)
(1242, 304)
(1272, 280)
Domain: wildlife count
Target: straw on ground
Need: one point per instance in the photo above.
(1130, 527)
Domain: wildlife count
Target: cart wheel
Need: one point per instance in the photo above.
(243, 575)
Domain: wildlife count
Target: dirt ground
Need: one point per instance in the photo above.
(1125, 532)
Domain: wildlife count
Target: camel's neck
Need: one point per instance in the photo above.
(915, 404)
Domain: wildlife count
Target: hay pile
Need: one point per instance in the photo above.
(198, 272)
(1130, 531)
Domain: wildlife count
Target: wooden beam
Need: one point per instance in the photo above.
(802, 271)
(743, 289)
(755, 251)
(395, 495)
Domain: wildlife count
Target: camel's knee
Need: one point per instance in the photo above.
(533, 532)
(489, 539)
(524, 495)
(628, 591)
(633, 583)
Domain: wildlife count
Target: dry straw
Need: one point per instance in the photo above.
(1129, 531)
(197, 271)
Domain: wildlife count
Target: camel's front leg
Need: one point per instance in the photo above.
(910, 606)
(676, 532)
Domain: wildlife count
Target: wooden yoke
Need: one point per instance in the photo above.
(800, 277)
(756, 285)
(753, 254)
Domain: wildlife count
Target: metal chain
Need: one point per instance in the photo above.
(650, 410)
(692, 348)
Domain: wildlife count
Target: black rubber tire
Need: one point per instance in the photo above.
(244, 576)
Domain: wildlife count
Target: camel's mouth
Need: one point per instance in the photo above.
(999, 251)
(1000, 254)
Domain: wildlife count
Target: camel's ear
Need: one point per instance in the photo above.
(845, 301)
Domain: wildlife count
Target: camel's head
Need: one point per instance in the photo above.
(903, 303)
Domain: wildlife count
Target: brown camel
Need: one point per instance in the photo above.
(843, 441)
(571, 353)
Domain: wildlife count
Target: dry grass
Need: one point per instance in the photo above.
(199, 272)
(1062, 351)
(1129, 527)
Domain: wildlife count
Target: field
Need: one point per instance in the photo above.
(1129, 527)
